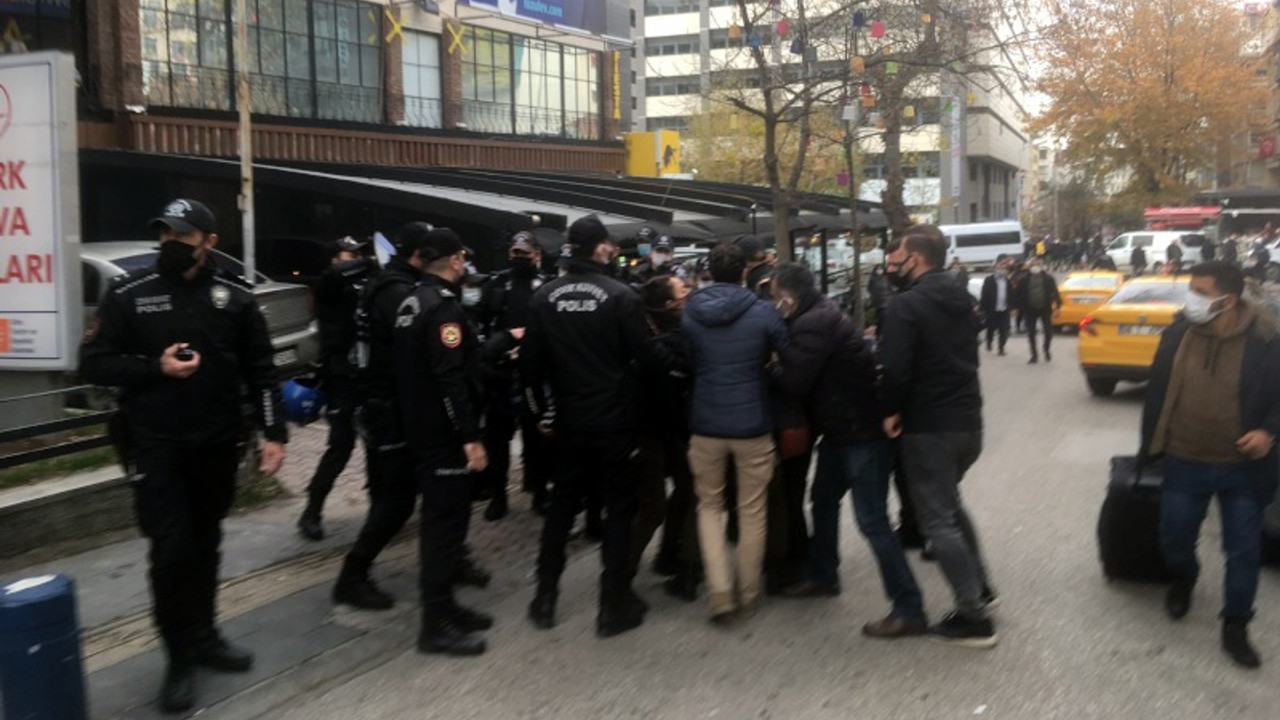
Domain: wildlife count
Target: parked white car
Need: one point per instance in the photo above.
(1155, 243)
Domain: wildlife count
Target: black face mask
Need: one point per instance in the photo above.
(176, 257)
(523, 267)
(898, 279)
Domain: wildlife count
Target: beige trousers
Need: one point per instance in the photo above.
(754, 459)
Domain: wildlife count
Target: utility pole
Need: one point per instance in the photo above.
(246, 147)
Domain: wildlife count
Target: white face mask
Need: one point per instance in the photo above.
(471, 296)
(1036, 270)
(658, 259)
(1199, 309)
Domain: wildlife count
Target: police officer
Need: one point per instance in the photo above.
(661, 261)
(337, 293)
(436, 358)
(585, 338)
(182, 338)
(388, 463)
(505, 305)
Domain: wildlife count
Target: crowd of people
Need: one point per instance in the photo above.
(648, 401)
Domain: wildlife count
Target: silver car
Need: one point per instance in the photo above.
(285, 306)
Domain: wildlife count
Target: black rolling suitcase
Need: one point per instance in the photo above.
(1129, 524)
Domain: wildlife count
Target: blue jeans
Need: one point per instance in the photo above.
(1184, 502)
(864, 469)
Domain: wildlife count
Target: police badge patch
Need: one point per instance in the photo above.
(451, 335)
(220, 296)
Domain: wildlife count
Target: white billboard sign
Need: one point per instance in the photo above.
(40, 303)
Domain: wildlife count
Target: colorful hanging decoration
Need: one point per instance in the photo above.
(950, 106)
(849, 113)
(909, 111)
(880, 123)
(877, 29)
(957, 66)
(873, 118)
(784, 27)
(842, 178)
(926, 18)
(754, 40)
(797, 47)
(859, 19)
(891, 68)
(972, 97)
(811, 54)
(868, 101)
(735, 32)
(857, 64)
(864, 89)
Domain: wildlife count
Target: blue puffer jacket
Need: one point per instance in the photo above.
(731, 334)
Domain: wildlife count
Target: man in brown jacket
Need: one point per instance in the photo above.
(1213, 412)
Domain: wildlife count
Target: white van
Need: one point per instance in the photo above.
(1155, 243)
(978, 244)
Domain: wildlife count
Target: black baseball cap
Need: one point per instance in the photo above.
(663, 243)
(441, 243)
(185, 216)
(348, 244)
(749, 245)
(585, 234)
(523, 240)
(411, 237)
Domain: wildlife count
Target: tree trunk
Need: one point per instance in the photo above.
(895, 209)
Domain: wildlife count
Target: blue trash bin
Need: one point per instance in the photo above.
(41, 676)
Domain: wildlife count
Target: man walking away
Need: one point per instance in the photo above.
(588, 341)
(731, 335)
(932, 399)
(996, 300)
(337, 293)
(1213, 412)
(1038, 301)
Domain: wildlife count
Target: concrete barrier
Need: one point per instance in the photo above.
(54, 511)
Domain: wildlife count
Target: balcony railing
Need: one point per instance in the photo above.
(213, 138)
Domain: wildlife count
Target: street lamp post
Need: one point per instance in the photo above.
(246, 146)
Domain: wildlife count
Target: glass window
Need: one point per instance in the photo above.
(1152, 293)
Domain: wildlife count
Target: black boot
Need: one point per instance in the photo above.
(361, 593)
(469, 573)
(468, 619)
(178, 693)
(497, 507)
(442, 634)
(683, 585)
(309, 526)
(1235, 641)
(218, 654)
(542, 611)
(619, 612)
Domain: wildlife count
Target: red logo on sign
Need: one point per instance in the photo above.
(6, 110)
(1267, 147)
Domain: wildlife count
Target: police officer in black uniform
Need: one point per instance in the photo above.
(661, 261)
(337, 293)
(388, 463)
(436, 360)
(182, 339)
(586, 339)
(506, 305)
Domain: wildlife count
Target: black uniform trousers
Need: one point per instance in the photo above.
(445, 483)
(343, 398)
(500, 427)
(661, 458)
(393, 493)
(181, 496)
(602, 465)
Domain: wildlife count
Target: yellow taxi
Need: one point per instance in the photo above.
(1082, 292)
(1118, 339)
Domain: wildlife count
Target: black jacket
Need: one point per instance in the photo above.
(832, 371)
(929, 345)
(337, 295)
(664, 403)
(990, 296)
(584, 341)
(375, 320)
(1022, 297)
(436, 367)
(1259, 392)
(507, 301)
(145, 312)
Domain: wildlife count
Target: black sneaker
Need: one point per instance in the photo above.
(542, 611)
(469, 573)
(1177, 599)
(362, 594)
(956, 629)
(1235, 641)
(222, 656)
(441, 635)
(470, 620)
